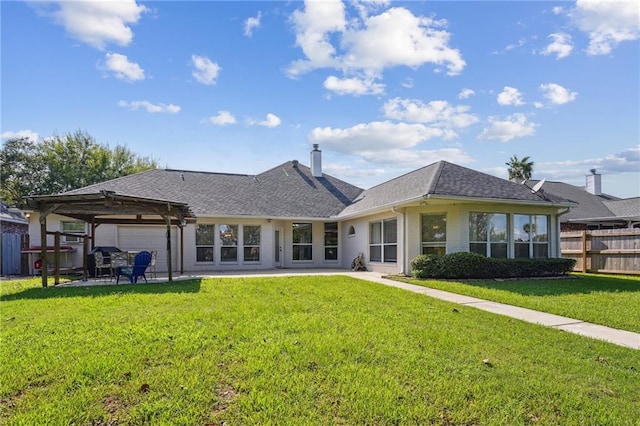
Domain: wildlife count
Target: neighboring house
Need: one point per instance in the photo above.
(14, 227)
(594, 209)
(294, 216)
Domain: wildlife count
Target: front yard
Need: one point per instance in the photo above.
(294, 350)
(609, 300)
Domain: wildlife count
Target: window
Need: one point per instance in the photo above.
(352, 231)
(488, 234)
(531, 237)
(228, 243)
(205, 237)
(251, 242)
(331, 241)
(73, 228)
(383, 241)
(302, 241)
(434, 233)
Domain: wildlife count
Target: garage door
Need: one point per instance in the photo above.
(150, 238)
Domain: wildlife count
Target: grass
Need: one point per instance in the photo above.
(608, 300)
(294, 350)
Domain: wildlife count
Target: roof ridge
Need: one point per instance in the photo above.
(435, 178)
(205, 172)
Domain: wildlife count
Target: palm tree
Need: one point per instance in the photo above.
(520, 170)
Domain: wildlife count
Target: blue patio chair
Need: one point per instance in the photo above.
(140, 264)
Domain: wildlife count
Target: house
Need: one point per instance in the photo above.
(294, 216)
(594, 209)
(14, 227)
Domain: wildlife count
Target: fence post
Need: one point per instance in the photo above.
(584, 251)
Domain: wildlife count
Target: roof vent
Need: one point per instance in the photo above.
(295, 164)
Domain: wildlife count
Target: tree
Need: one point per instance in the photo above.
(520, 170)
(62, 163)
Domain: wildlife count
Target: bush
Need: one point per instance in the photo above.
(472, 265)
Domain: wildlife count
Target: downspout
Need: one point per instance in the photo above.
(558, 231)
(404, 239)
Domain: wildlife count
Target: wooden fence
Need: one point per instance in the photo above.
(611, 251)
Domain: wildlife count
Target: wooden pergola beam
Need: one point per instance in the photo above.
(107, 207)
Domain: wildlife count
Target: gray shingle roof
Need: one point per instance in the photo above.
(447, 180)
(588, 205)
(288, 190)
(629, 207)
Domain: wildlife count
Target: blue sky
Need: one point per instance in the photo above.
(383, 87)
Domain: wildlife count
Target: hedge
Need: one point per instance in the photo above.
(472, 265)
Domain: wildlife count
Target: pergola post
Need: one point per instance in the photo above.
(167, 219)
(43, 248)
(181, 249)
(56, 257)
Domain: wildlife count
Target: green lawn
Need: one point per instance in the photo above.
(608, 300)
(294, 350)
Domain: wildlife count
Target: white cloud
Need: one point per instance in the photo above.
(29, 134)
(626, 161)
(557, 94)
(413, 159)
(122, 68)
(510, 96)
(557, 10)
(607, 23)
(513, 126)
(313, 27)
(387, 144)
(96, 23)
(561, 46)
(271, 121)
(149, 107)
(408, 83)
(353, 86)
(369, 44)
(205, 71)
(252, 23)
(466, 93)
(538, 105)
(398, 38)
(435, 113)
(222, 118)
(374, 137)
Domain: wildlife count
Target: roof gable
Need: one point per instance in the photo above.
(445, 179)
(288, 190)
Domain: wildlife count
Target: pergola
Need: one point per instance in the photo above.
(107, 207)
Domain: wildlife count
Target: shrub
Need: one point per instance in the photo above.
(472, 265)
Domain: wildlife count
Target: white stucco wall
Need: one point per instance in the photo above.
(409, 237)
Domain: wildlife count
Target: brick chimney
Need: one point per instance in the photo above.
(594, 183)
(316, 161)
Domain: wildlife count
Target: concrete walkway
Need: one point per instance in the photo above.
(611, 335)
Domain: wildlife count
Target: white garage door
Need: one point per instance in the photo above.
(150, 238)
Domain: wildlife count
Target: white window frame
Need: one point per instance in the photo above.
(328, 234)
(212, 246)
(383, 244)
(70, 239)
(433, 244)
(228, 241)
(532, 243)
(488, 242)
(295, 244)
(251, 246)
